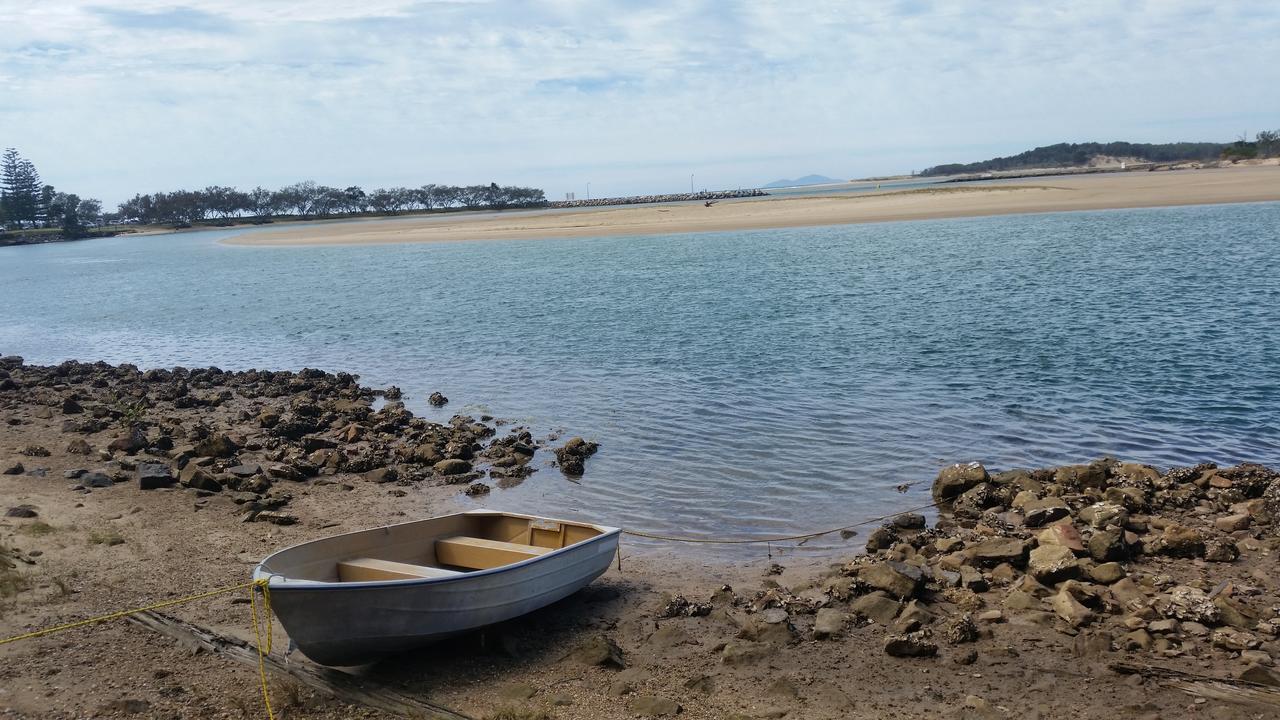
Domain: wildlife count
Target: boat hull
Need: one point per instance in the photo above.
(352, 623)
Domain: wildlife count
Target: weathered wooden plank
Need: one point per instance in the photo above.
(1217, 688)
(343, 686)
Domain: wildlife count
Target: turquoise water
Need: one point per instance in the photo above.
(744, 383)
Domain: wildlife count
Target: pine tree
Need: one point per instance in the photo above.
(19, 189)
(8, 183)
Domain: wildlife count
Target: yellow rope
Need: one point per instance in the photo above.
(257, 633)
(746, 541)
(253, 602)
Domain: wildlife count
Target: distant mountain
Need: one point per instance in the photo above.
(806, 180)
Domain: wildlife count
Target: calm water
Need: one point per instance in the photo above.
(739, 383)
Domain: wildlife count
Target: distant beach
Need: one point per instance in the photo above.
(1258, 183)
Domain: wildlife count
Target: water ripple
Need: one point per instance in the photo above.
(749, 383)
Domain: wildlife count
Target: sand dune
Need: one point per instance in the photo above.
(1090, 192)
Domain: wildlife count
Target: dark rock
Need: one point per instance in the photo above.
(22, 511)
(12, 467)
(438, 400)
(35, 451)
(71, 407)
(571, 457)
(130, 443)
(216, 445)
(152, 476)
(476, 489)
(882, 538)
(96, 480)
(247, 470)
(909, 521)
(79, 446)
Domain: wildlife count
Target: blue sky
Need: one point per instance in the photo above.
(109, 98)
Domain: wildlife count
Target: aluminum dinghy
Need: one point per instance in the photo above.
(352, 598)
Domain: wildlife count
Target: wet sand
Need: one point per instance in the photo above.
(1057, 194)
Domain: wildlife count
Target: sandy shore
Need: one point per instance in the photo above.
(1016, 604)
(1092, 192)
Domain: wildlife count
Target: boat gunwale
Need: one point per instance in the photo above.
(287, 584)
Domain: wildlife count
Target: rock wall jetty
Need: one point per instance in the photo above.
(647, 199)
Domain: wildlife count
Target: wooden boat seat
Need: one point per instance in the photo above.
(481, 554)
(366, 569)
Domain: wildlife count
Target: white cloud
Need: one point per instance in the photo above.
(111, 97)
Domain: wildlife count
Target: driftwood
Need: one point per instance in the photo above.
(1216, 688)
(341, 685)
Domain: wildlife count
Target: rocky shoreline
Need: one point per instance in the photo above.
(1073, 591)
(255, 434)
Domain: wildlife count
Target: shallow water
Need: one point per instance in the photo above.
(740, 383)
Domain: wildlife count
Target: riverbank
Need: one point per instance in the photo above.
(124, 487)
(1089, 192)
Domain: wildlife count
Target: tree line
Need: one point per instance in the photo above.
(1077, 154)
(27, 202)
(308, 199)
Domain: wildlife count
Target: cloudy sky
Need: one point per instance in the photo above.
(112, 97)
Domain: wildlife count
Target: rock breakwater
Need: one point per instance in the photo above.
(648, 199)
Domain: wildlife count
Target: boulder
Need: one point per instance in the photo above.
(129, 443)
(882, 538)
(1234, 522)
(828, 623)
(12, 467)
(954, 480)
(1063, 534)
(1106, 573)
(994, 551)
(898, 579)
(198, 478)
(909, 521)
(1052, 564)
(1180, 541)
(79, 447)
(1070, 610)
(1103, 514)
(1042, 511)
(1260, 675)
(217, 445)
(22, 511)
(913, 645)
(1108, 546)
(452, 466)
(1217, 550)
(877, 606)
(152, 476)
(437, 399)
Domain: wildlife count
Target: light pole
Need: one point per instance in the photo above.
(588, 191)
(690, 183)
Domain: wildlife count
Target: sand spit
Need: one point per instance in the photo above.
(122, 487)
(1090, 192)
